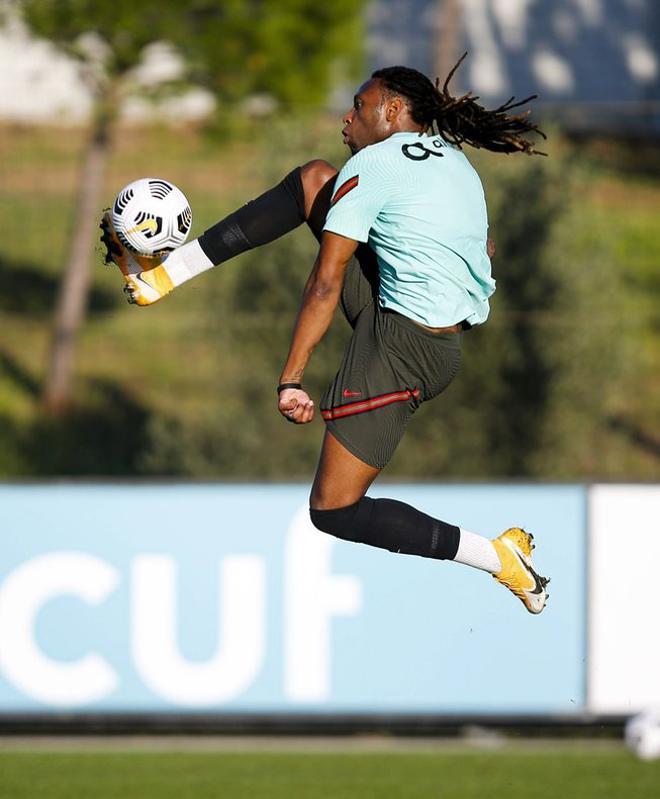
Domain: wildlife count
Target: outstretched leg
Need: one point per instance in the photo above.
(302, 196)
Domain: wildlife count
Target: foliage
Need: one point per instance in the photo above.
(536, 383)
(252, 322)
(288, 49)
(560, 383)
(292, 50)
(536, 386)
(124, 27)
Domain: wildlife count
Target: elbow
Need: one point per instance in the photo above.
(324, 291)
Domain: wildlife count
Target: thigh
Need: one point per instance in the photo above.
(429, 361)
(360, 284)
(319, 186)
(361, 280)
(369, 403)
(390, 367)
(341, 478)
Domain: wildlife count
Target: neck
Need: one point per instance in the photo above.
(408, 127)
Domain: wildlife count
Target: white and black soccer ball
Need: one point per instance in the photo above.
(642, 734)
(151, 215)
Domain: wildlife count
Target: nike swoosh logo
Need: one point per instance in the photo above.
(138, 275)
(348, 393)
(538, 585)
(147, 225)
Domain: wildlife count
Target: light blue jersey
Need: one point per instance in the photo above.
(420, 205)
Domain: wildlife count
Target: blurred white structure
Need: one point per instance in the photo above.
(40, 84)
(623, 628)
(594, 63)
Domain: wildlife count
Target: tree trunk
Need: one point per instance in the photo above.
(448, 29)
(74, 287)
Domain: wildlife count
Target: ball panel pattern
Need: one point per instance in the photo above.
(151, 215)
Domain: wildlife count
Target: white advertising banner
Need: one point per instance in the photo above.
(624, 599)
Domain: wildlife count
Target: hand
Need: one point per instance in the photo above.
(296, 406)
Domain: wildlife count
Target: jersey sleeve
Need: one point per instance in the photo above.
(362, 189)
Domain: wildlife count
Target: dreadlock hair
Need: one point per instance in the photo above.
(460, 119)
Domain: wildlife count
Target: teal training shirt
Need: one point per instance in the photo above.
(420, 205)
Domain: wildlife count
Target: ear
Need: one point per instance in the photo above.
(394, 108)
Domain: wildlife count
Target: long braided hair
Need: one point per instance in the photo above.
(461, 119)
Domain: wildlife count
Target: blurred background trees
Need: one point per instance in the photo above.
(559, 384)
(235, 48)
(107, 50)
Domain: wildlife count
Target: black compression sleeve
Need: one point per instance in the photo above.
(264, 219)
(390, 524)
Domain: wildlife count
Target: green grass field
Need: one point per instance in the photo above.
(554, 772)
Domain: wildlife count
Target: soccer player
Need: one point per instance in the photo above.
(404, 252)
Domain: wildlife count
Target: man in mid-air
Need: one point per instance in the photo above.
(404, 252)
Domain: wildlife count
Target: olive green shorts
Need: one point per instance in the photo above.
(390, 367)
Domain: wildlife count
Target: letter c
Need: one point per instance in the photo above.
(22, 595)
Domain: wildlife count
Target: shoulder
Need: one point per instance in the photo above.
(361, 160)
(380, 161)
(380, 151)
(401, 150)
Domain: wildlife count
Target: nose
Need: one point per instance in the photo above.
(348, 117)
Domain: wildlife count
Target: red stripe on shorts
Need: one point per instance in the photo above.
(370, 404)
(350, 184)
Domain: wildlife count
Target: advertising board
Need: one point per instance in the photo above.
(624, 610)
(224, 598)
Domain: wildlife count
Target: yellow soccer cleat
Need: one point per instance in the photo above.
(514, 549)
(148, 286)
(146, 279)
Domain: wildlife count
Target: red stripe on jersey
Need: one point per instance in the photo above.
(370, 404)
(349, 185)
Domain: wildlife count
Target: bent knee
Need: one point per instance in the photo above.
(317, 173)
(341, 522)
(336, 521)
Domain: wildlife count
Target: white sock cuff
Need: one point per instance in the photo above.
(475, 550)
(186, 262)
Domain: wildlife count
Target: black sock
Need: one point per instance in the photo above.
(265, 219)
(390, 524)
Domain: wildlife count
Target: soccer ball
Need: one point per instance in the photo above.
(642, 734)
(151, 216)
